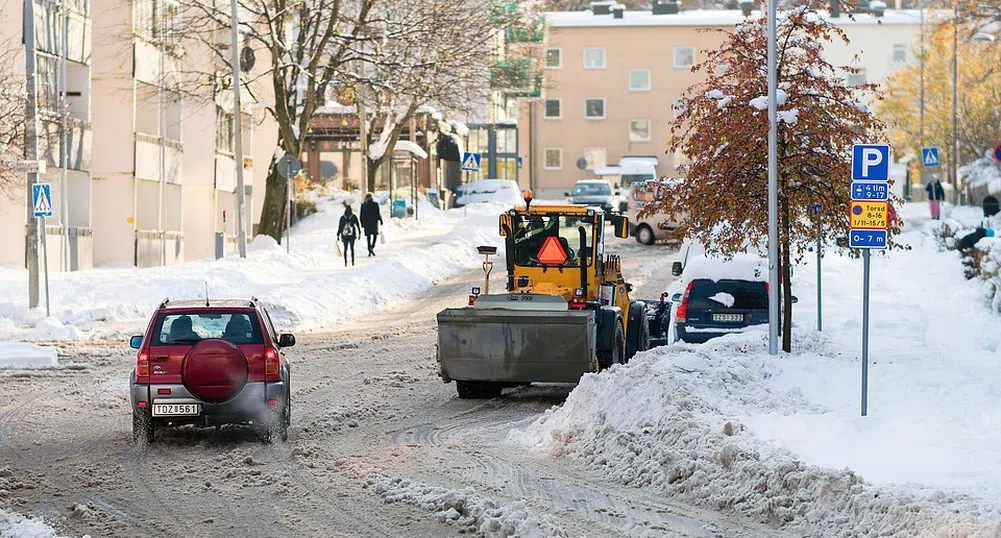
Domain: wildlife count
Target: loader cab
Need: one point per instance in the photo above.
(557, 250)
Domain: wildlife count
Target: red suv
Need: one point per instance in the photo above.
(211, 363)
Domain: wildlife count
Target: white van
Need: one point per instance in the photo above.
(651, 228)
(629, 170)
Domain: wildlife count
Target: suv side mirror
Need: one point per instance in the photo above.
(621, 225)
(677, 268)
(286, 340)
(566, 194)
(136, 342)
(795, 299)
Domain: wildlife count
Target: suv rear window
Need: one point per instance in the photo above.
(728, 294)
(236, 327)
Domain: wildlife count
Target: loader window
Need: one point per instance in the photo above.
(530, 234)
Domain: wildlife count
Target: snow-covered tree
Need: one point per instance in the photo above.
(428, 53)
(301, 47)
(724, 132)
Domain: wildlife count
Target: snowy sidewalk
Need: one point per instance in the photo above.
(309, 289)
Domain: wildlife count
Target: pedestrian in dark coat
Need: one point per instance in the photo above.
(348, 230)
(371, 218)
(936, 194)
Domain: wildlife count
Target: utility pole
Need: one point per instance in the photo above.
(362, 120)
(953, 164)
(241, 213)
(773, 197)
(63, 150)
(162, 131)
(921, 136)
(31, 150)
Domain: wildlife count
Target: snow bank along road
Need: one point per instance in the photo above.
(379, 447)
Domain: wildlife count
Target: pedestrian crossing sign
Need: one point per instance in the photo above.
(471, 162)
(929, 157)
(42, 199)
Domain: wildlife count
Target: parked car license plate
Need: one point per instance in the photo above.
(168, 410)
(729, 318)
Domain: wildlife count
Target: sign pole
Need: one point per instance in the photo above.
(288, 208)
(820, 318)
(45, 264)
(773, 198)
(865, 332)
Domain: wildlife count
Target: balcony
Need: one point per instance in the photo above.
(49, 33)
(79, 143)
(225, 172)
(148, 158)
(147, 65)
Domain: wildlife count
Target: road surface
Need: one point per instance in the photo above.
(367, 403)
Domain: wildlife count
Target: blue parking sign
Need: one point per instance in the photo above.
(870, 162)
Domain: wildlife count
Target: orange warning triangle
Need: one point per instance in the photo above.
(552, 252)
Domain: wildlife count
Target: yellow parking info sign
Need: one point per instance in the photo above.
(868, 215)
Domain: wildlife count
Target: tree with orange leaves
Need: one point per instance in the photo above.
(724, 132)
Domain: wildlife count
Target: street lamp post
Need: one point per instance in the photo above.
(955, 97)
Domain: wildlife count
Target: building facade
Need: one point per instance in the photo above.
(63, 37)
(613, 85)
(151, 172)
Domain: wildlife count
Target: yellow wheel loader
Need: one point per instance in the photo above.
(565, 311)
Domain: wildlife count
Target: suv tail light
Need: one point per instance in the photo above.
(142, 367)
(270, 362)
(681, 313)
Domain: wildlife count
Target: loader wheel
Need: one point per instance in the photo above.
(639, 331)
(478, 389)
(606, 358)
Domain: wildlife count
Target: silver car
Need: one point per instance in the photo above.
(594, 193)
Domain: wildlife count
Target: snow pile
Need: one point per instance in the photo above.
(307, 289)
(761, 103)
(17, 526)
(780, 439)
(674, 420)
(21, 355)
(469, 510)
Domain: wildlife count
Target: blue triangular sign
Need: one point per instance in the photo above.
(930, 157)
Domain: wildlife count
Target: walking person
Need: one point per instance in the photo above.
(371, 218)
(936, 194)
(348, 230)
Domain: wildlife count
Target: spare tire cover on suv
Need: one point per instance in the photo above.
(214, 371)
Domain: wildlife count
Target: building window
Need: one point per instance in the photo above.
(554, 109)
(594, 109)
(223, 131)
(553, 158)
(595, 157)
(856, 79)
(680, 106)
(684, 57)
(554, 58)
(639, 130)
(639, 80)
(899, 53)
(594, 58)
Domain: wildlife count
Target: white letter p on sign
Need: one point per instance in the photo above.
(870, 157)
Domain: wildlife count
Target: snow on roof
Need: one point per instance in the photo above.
(507, 121)
(460, 128)
(412, 147)
(701, 17)
(741, 267)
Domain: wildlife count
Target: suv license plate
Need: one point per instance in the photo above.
(729, 318)
(167, 410)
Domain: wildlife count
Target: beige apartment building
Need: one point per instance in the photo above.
(613, 83)
(153, 171)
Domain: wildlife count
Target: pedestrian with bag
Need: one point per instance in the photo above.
(348, 230)
(371, 218)
(936, 194)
